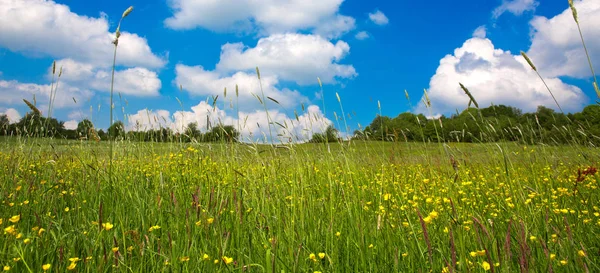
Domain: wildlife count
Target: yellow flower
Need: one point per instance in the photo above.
(71, 266)
(227, 260)
(10, 230)
(405, 254)
(552, 256)
(481, 253)
(46, 267)
(27, 241)
(153, 228)
(6, 268)
(107, 226)
(184, 259)
(216, 261)
(67, 209)
(14, 219)
(312, 256)
(473, 254)
(198, 223)
(74, 260)
(115, 249)
(564, 262)
(338, 234)
(210, 220)
(581, 253)
(205, 257)
(433, 214)
(19, 236)
(386, 196)
(485, 265)
(322, 255)
(40, 231)
(532, 238)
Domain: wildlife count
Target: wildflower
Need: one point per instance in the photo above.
(210, 220)
(552, 256)
(205, 257)
(312, 256)
(184, 259)
(6, 268)
(338, 234)
(10, 230)
(71, 266)
(485, 265)
(115, 249)
(40, 231)
(386, 196)
(532, 238)
(563, 262)
(27, 241)
(227, 260)
(74, 260)
(581, 253)
(107, 226)
(153, 228)
(14, 219)
(405, 254)
(198, 223)
(46, 267)
(322, 255)
(67, 209)
(216, 261)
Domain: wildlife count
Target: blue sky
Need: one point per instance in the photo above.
(366, 51)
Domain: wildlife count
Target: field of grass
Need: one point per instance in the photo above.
(353, 207)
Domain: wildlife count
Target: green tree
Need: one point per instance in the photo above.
(85, 128)
(116, 129)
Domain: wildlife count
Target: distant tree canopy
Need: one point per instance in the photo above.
(494, 123)
(330, 135)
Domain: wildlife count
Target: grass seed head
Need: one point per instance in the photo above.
(127, 12)
(574, 10)
(528, 61)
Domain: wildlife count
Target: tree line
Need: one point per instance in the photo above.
(33, 124)
(491, 124)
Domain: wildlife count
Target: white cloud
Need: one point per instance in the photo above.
(49, 29)
(480, 32)
(71, 125)
(13, 92)
(362, 35)
(200, 82)
(135, 81)
(556, 47)
(12, 114)
(516, 7)
(378, 18)
(292, 57)
(252, 125)
(265, 16)
(494, 76)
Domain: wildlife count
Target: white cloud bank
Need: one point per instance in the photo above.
(263, 16)
(494, 76)
(252, 125)
(83, 45)
(11, 113)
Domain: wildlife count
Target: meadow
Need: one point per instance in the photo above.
(351, 207)
(120, 205)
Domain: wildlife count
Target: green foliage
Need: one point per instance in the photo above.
(330, 135)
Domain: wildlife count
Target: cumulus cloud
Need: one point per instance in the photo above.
(556, 47)
(49, 29)
(11, 113)
(266, 16)
(71, 124)
(378, 18)
(198, 81)
(495, 76)
(362, 35)
(13, 92)
(516, 7)
(293, 57)
(252, 125)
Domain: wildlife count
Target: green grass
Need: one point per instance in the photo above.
(271, 212)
